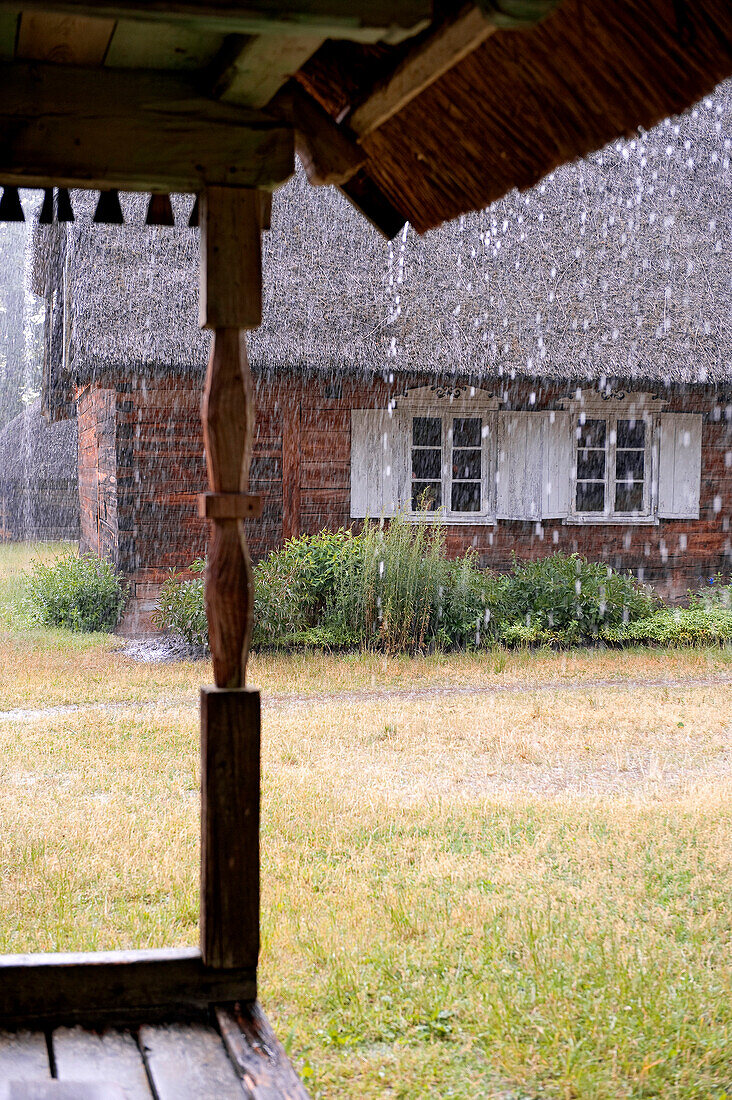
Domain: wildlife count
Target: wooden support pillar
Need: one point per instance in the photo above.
(231, 301)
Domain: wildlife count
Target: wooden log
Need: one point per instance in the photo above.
(251, 69)
(230, 748)
(359, 20)
(63, 39)
(328, 153)
(75, 127)
(114, 986)
(257, 1054)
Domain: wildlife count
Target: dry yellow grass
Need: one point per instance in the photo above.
(515, 894)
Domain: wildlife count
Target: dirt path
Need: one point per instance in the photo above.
(276, 701)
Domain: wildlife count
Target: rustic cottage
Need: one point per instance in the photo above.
(554, 372)
(39, 496)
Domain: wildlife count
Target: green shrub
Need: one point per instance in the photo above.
(568, 598)
(393, 588)
(181, 606)
(79, 592)
(674, 627)
(716, 595)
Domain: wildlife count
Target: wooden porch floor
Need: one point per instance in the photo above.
(234, 1057)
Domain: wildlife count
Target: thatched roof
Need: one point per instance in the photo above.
(32, 451)
(617, 266)
(525, 102)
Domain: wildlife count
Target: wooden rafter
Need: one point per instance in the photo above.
(136, 131)
(425, 63)
(359, 20)
(252, 69)
(329, 149)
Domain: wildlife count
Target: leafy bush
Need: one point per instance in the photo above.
(680, 626)
(181, 606)
(565, 597)
(79, 592)
(716, 595)
(393, 588)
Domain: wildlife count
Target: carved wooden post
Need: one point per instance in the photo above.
(231, 301)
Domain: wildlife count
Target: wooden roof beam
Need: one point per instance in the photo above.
(101, 128)
(250, 70)
(425, 63)
(358, 20)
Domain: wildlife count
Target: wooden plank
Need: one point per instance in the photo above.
(8, 33)
(64, 1090)
(332, 447)
(257, 1054)
(424, 64)
(359, 20)
(136, 131)
(230, 753)
(114, 986)
(171, 46)
(291, 460)
(188, 1062)
(252, 69)
(107, 1056)
(63, 39)
(231, 260)
(23, 1056)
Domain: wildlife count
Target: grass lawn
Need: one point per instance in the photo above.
(521, 890)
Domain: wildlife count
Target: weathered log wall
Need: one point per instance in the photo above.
(301, 468)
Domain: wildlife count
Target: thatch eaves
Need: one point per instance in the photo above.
(618, 266)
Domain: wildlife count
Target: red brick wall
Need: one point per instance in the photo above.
(303, 429)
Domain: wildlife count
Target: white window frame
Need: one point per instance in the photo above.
(448, 405)
(632, 407)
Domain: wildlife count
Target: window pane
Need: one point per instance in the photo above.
(426, 464)
(592, 434)
(631, 433)
(466, 432)
(590, 496)
(465, 497)
(629, 498)
(426, 431)
(426, 496)
(629, 465)
(466, 464)
(591, 464)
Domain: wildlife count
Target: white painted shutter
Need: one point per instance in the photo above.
(378, 464)
(558, 459)
(679, 466)
(518, 473)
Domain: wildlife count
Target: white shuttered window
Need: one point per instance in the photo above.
(474, 465)
(679, 465)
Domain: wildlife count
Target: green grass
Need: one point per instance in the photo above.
(518, 895)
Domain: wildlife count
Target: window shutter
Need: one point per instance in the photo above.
(679, 466)
(518, 473)
(558, 459)
(378, 465)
